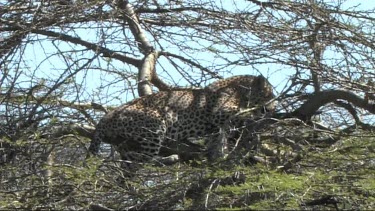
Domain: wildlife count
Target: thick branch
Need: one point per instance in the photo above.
(78, 129)
(136, 29)
(350, 109)
(160, 84)
(320, 99)
(145, 74)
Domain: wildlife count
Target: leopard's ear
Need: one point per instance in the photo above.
(261, 82)
(267, 90)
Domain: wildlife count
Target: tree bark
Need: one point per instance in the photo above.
(319, 99)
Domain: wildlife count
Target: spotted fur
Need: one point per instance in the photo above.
(140, 128)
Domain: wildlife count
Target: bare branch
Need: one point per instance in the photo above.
(319, 99)
(94, 47)
(135, 27)
(146, 74)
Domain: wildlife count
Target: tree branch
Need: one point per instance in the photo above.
(192, 63)
(100, 50)
(319, 99)
(9, 44)
(145, 74)
(78, 129)
(129, 14)
(21, 99)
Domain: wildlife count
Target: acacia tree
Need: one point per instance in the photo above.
(64, 64)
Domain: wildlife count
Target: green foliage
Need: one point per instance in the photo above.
(345, 172)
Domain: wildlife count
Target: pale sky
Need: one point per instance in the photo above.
(36, 53)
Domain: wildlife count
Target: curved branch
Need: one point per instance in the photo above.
(350, 109)
(319, 99)
(160, 84)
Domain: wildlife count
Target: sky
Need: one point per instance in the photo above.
(35, 59)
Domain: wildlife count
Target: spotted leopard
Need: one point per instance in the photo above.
(146, 127)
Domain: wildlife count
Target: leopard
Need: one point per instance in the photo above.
(159, 124)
